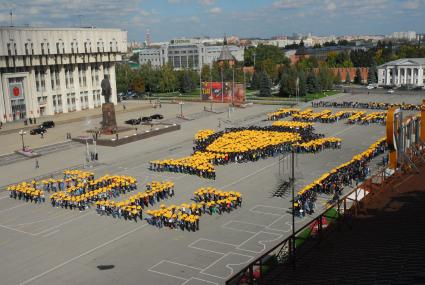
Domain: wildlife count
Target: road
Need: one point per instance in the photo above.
(45, 245)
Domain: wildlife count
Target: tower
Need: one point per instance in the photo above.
(148, 38)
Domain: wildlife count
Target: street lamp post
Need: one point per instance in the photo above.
(293, 206)
(22, 133)
(181, 108)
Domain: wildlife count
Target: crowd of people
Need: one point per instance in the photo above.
(282, 113)
(132, 208)
(186, 216)
(200, 164)
(366, 105)
(27, 192)
(292, 126)
(84, 193)
(317, 145)
(366, 119)
(353, 171)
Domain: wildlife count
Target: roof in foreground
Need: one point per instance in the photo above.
(405, 61)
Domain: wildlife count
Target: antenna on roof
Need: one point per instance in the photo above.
(11, 18)
(79, 19)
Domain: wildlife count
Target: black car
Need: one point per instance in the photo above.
(134, 121)
(146, 119)
(48, 124)
(157, 117)
(38, 131)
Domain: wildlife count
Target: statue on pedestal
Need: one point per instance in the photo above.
(109, 122)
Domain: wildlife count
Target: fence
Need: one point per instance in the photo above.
(310, 234)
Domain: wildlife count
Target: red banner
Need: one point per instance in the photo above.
(219, 92)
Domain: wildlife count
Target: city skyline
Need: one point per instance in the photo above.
(168, 19)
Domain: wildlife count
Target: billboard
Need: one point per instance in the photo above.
(16, 90)
(222, 92)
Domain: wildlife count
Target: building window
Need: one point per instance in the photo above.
(70, 100)
(42, 48)
(48, 48)
(82, 75)
(26, 49)
(9, 50)
(69, 79)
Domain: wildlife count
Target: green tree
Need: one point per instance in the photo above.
(255, 81)
(138, 84)
(168, 79)
(358, 76)
(372, 76)
(288, 82)
(312, 83)
(187, 82)
(124, 77)
(338, 78)
(265, 85)
(325, 77)
(347, 76)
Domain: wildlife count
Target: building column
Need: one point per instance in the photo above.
(76, 77)
(398, 76)
(387, 76)
(420, 77)
(63, 90)
(2, 101)
(89, 86)
(49, 91)
(101, 76)
(112, 79)
(405, 75)
(31, 97)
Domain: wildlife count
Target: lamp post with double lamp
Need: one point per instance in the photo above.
(22, 133)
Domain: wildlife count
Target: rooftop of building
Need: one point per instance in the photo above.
(30, 28)
(405, 61)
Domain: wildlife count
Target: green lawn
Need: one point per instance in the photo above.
(309, 97)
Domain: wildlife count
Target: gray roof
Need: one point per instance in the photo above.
(405, 61)
(225, 54)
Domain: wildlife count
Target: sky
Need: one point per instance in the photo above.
(169, 19)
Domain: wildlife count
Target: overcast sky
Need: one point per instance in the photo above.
(245, 18)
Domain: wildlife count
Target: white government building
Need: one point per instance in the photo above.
(406, 71)
(186, 54)
(45, 71)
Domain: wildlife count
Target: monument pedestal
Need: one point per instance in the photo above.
(109, 122)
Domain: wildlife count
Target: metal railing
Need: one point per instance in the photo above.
(315, 230)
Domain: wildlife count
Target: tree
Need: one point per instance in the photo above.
(124, 77)
(347, 76)
(265, 85)
(372, 75)
(312, 83)
(187, 83)
(288, 82)
(325, 78)
(168, 79)
(338, 78)
(138, 84)
(255, 81)
(302, 86)
(358, 76)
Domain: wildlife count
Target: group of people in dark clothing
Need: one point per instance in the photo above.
(333, 182)
(366, 105)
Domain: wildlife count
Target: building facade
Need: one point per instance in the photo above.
(45, 71)
(406, 71)
(186, 54)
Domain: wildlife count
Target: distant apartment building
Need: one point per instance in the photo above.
(186, 54)
(410, 35)
(44, 71)
(406, 71)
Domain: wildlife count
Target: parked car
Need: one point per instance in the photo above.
(391, 91)
(134, 121)
(146, 119)
(157, 117)
(48, 124)
(38, 131)
(370, 87)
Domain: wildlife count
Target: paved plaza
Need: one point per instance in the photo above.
(44, 245)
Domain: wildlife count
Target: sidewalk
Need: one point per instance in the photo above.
(65, 118)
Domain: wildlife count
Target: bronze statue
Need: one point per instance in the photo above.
(106, 88)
